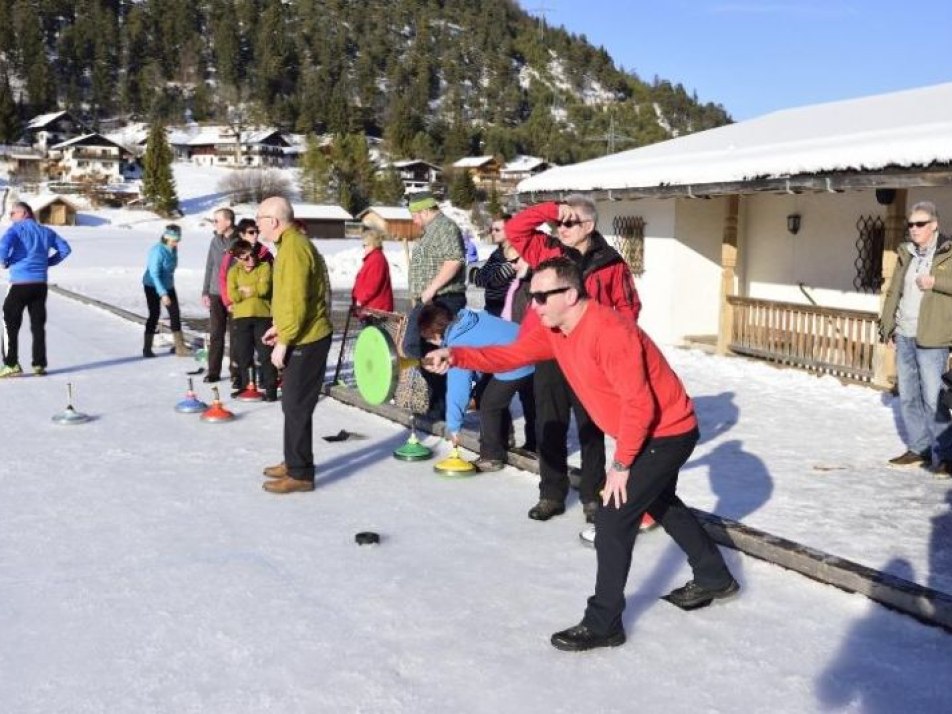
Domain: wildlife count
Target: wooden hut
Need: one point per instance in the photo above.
(393, 221)
(55, 211)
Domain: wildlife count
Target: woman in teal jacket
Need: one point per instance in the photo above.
(159, 284)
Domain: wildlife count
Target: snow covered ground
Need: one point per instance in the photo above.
(142, 569)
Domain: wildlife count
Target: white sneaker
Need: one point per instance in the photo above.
(587, 536)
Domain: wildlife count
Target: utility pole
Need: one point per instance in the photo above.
(541, 9)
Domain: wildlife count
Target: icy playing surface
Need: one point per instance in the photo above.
(143, 569)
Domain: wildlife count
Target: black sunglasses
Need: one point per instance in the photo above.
(918, 224)
(542, 297)
(570, 224)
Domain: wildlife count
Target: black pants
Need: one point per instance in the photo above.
(495, 418)
(32, 298)
(652, 485)
(304, 369)
(154, 303)
(414, 346)
(247, 333)
(218, 324)
(555, 402)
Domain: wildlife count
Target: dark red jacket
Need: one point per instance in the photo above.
(608, 279)
(372, 288)
(617, 372)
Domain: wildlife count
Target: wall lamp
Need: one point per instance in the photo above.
(793, 223)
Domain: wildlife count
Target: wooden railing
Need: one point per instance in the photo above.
(821, 339)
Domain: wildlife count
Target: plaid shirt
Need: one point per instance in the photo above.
(440, 242)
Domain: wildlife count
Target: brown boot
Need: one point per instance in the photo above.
(288, 485)
(181, 349)
(278, 471)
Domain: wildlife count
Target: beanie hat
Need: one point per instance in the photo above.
(172, 232)
(421, 201)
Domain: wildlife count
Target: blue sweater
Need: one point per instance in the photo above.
(474, 329)
(160, 271)
(26, 250)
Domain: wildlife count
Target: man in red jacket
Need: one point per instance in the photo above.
(633, 394)
(608, 281)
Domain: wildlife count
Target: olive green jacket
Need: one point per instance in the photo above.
(934, 328)
(300, 301)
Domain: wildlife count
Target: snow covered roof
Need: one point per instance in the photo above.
(911, 128)
(98, 139)
(523, 163)
(315, 211)
(38, 122)
(389, 213)
(42, 201)
(403, 163)
(472, 162)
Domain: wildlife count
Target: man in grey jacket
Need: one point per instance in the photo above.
(917, 318)
(223, 238)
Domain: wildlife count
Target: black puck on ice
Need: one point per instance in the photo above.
(367, 538)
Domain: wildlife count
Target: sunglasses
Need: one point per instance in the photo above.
(245, 258)
(251, 231)
(542, 297)
(570, 224)
(918, 224)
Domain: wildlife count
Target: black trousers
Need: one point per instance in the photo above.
(495, 418)
(652, 485)
(154, 302)
(304, 369)
(555, 402)
(247, 333)
(32, 298)
(414, 346)
(218, 324)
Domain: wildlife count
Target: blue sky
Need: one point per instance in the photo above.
(756, 57)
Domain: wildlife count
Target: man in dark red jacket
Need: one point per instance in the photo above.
(633, 394)
(608, 281)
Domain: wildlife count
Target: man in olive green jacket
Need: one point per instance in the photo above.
(301, 339)
(917, 318)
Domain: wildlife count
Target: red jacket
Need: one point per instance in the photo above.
(227, 260)
(618, 373)
(372, 287)
(608, 280)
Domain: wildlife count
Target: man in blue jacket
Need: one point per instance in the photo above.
(27, 249)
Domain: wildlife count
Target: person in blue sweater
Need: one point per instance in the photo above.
(469, 328)
(159, 284)
(27, 250)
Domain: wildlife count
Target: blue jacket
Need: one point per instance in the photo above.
(160, 271)
(25, 250)
(474, 329)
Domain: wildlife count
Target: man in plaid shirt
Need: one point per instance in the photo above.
(437, 276)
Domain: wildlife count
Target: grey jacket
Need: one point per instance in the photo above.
(216, 252)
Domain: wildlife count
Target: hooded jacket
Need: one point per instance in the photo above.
(29, 250)
(474, 329)
(934, 328)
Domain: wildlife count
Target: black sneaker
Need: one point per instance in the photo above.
(693, 596)
(210, 378)
(912, 458)
(487, 465)
(581, 638)
(545, 509)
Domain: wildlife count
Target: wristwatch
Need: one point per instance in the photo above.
(619, 466)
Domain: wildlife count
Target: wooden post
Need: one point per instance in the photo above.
(728, 274)
(884, 356)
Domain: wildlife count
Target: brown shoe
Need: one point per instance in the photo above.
(288, 485)
(278, 471)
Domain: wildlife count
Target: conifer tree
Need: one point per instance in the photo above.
(315, 172)
(10, 127)
(462, 189)
(158, 184)
(388, 188)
